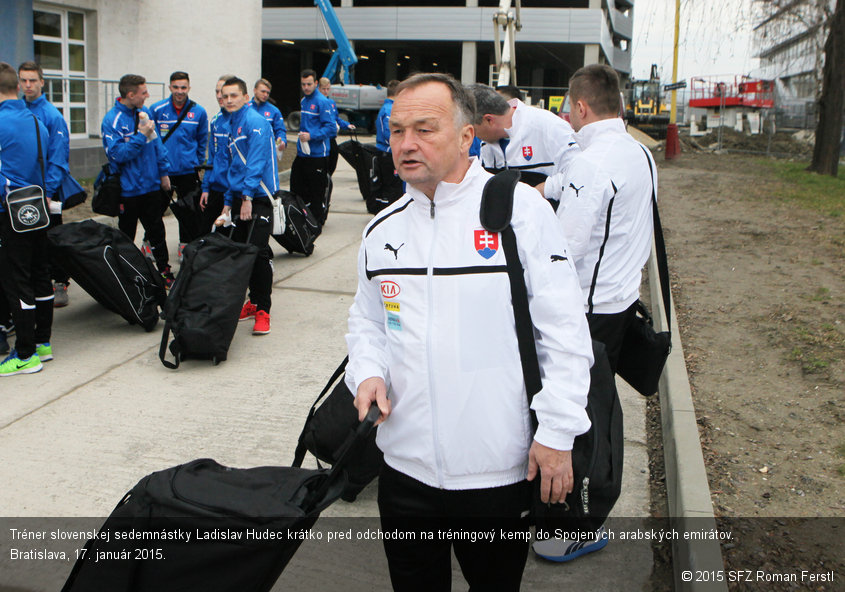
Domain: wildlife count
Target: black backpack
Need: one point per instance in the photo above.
(205, 301)
(107, 265)
(596, 454)
(301, 227)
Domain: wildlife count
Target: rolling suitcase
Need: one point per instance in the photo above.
(205, 302)
(301, 227)
(364, 158)
(107, 265)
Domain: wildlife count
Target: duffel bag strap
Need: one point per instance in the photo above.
(162, 350)
(299, 454)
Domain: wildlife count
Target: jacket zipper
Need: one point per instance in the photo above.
(438, 461)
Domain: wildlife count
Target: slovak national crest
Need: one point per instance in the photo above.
(486, 243)
(527, 152)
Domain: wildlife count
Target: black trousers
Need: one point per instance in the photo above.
(333, 154)
(183, 185)
(425, 564)
(25, 277)
(261, 280)
(610, 330)
(56, 272)
(147, 209)
(309, 179)
(211, 212)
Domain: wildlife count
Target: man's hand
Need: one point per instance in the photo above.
(203, 200)
(372, 390)
(165, 183)
(351, 126)
(147, 127)
(305, 136)
(555, 467)
(246, 209)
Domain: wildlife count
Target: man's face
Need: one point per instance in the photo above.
(233, 98)
(325, 89)
(136, 98)
(30, 83)
(308, 85)
(262, 93)
(179, 89)
(490, 130)
(218, 91)
(427, 147)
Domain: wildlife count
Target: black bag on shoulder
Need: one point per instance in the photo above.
(27, 206)
(596, 454)
(107, 193)
(330, 427)
(644, 351)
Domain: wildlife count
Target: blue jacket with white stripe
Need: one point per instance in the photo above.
(317, 120)
(19, 165)
(140, 162)
(218, 153)
(186, 145)
(272, 114)
(250, 137)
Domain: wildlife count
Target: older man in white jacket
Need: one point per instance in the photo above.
(432, 342)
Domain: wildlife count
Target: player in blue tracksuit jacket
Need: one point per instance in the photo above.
(251, 175)
(325, 90)
(135, 152)
(24, 263)
(261, 103)
(59, 184)
(185, 145)
(214, 179)
(309, 175)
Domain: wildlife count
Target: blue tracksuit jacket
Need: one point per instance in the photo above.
(341, 122)
(19, 165)
(252, 135)
(382, 127)
(317, 120)
(272, 114)
(186, 146)
(141, 163)
(58, 149)
(218, 153)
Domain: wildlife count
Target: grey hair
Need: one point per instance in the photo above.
(463, 100)
(487, 102)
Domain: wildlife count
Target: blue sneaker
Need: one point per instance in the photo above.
(44, 351)
(14, 365)
(562, 550)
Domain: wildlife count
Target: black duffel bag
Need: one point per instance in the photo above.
(301, 227)
(328, 430)
(107, 193)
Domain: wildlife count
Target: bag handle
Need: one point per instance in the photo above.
(299, 454)
(660, 248)
(178, 120)
(40, 154)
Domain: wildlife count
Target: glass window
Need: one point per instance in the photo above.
(76, 25)
(76, 57)
(48, 55)
(77, 120)
(55, 92)
(47, 23)
(77, 91)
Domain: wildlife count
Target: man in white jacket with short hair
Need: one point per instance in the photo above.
(432, 342)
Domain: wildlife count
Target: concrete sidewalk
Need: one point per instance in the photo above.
(76, 436)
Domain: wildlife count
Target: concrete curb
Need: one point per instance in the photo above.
(687, 488)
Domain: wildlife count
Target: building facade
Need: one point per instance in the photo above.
(85, 46)
(395, 39)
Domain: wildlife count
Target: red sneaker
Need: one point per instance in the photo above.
(248, 311)
(262, 323)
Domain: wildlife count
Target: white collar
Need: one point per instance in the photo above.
(591, 131)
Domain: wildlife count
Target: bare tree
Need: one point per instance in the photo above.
(832, 101)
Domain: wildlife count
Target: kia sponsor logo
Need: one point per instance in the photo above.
(389, 289)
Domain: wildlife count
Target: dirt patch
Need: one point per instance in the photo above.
(758, 285)
(782, 143)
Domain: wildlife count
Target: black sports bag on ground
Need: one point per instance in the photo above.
(301, 227)
(245, 525)
(330, 427)
(205, 302)
(596, 454)
(107, 265)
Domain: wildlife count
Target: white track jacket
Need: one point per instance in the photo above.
(605, 210)
(433, 317)
(540, 142)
